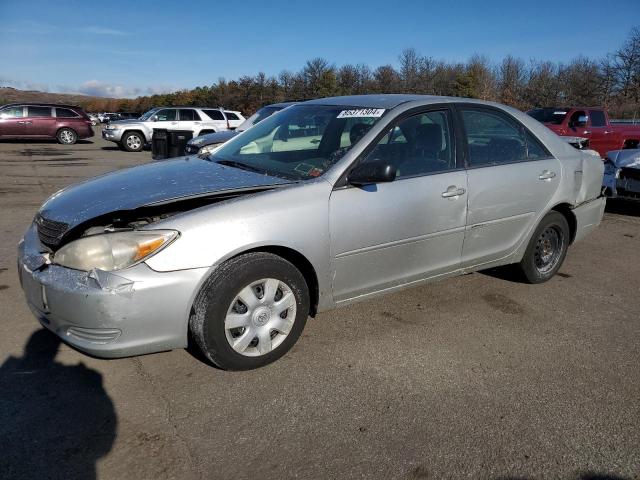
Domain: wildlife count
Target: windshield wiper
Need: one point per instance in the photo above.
(240, 165)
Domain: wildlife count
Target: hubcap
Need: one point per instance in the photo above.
(134, 142)
(548, 249)
(66, 136)
(260, 317)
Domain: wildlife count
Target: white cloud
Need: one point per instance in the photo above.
(98, 30)
(94, 88)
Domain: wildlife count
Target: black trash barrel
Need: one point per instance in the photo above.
(159, 144)
(177, 141)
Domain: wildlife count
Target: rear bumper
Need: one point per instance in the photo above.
(129, 312)
(588, 216)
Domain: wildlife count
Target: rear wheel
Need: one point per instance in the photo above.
(250, 312)
(132, 142)
(547, 249)
(67, 136)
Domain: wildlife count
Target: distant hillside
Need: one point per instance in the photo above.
(13, 95)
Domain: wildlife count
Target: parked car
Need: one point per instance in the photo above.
(589, 122)
(622, 174)
(205, 144)
(65, 123)
(132, 135)
(104, 117)
(94, 119)
(327, 203)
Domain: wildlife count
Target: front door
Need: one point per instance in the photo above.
(166, 118)
(512, 178)
(601, 136)
(390, 234)
(12, 122)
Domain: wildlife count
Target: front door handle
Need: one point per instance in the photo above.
(453, 192)
(547, 175)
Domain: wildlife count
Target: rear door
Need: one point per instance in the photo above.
(189, 120)
(512, 178)
(12, 122)
(40, 122)
(392, 234)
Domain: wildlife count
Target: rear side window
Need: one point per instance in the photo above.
(214, 114)
(189, 115)
(231, 116)
(12, 112)
(65, 113)
(38, 111)
(166, 115)
(597, 118)
(493, 139)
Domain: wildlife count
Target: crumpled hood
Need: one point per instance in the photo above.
(146, 185)
(629, 158)
(213, 138)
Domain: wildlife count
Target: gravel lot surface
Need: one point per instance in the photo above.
(473, 377)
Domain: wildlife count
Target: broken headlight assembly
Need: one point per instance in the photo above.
(113, 251)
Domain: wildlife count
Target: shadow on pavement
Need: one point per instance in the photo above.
(580, 476)
(56, 420)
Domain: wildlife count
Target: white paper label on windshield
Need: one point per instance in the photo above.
(361, 112)
(559, 113)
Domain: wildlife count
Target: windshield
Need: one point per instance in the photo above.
(258, 117)
(299, 143)
(554, 116)
(147, 115)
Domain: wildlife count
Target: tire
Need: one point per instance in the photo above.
(67, 136)
(547, 249)
(231, 297)
(132, 142)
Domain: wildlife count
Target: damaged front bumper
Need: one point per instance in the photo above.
(588, 216)
(108, 314)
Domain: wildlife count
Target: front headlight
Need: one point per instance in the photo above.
(207, 149)
(111, 127)
(113, 251)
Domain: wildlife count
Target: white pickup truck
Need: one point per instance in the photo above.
(132, 135)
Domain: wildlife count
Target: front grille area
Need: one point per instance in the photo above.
(632, 173)
(50, 232)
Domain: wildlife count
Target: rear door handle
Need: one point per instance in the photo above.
(547, 175)
(453, 192)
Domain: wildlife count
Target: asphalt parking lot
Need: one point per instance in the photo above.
(473, 377)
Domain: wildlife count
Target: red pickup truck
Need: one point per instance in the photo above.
(591, 123)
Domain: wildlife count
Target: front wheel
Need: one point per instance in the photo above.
(67, 136)
(547, 249)
(250, 312)
(132, 142)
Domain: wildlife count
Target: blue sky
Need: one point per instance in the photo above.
(126, 48)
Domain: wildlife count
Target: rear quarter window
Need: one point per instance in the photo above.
(232, 116)
(214, 114)
(66, 113)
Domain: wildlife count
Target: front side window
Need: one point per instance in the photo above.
(12, 112)
(214, 114)
(65, 113)
(493, 139)
(166, 115)
(554, 116)
(597, 118)
(38, 111)
(188, 114)
(419, 145)
(301, 142)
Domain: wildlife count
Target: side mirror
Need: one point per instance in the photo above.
(372, 172)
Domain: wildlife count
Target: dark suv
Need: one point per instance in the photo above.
(65, 123)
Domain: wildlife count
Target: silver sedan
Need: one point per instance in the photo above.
(326, 203)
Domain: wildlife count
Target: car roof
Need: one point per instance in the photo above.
(386, 101)
(40, 104)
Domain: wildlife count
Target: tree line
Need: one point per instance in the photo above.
(612, 81)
